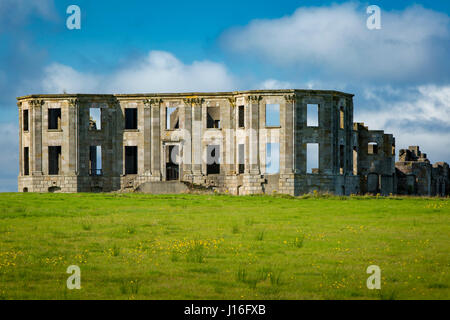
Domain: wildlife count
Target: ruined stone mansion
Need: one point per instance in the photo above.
(246, 142)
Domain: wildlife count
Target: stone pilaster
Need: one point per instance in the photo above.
(146, 127)
(253, 133)
(36, 124)
(155, 138)
(287, 135)
(197, 127)
(19, 106)
(229, 135)
(287, 146)
(189, 125)
(252, 180)
(70, 134)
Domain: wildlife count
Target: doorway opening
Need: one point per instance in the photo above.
(172, 163)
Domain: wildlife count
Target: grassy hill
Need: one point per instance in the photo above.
(135, 246)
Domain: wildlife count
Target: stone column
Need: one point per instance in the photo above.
(253, 134)
(155, 139)
(197, 140)
(229, 138)
(147, 125)
(252, 180)
(72, 137)
(287, 144)
(300, 127)
(35, 115)
(191, 124)
(287, 135)
(19, 106)
(186, 127)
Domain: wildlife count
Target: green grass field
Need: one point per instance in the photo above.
(134, 246)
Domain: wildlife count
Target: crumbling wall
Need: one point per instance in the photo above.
(375, 160)
(416, 175)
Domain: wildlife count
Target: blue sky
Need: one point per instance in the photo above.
(399, 74)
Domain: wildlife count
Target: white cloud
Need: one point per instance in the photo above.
(335, 40)
(60, 78)
(276, 84)
(416, 116)
(159, 71)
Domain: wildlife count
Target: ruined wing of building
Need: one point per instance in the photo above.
(246, 142)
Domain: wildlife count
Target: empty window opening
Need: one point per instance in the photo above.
(241, 158)
(131, 119)
(272, 115)
(312, 158)
(241, 117)
(131, 160)
(312, 117)
(25, 120)
(54, 119)
(95, 119)
(26, 161)
(213, 159)
(372, 148)
(341, 117)
(341, 159)
(54, 160)
(355, 161)
(172, 118)
(272, 158)
(172, 163)
(213, 118)
(95, 161)
(393, 150)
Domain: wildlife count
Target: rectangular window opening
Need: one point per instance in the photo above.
(241, 117)
(272, 158)
(95, 161)
(342, 117)
(131, 119)
(213, 159)
(341, 159)
(25, 120)
(312, 117)
(213, 118)
(54, 119)
(272, 115)
(372, 148)
(241, 158)
(95, 119)
(312, 158)
(355, 161)
(131, 160)
(54, 160)
(172, 118)
(26, 161)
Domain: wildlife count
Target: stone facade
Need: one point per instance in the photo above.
(225, 141)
